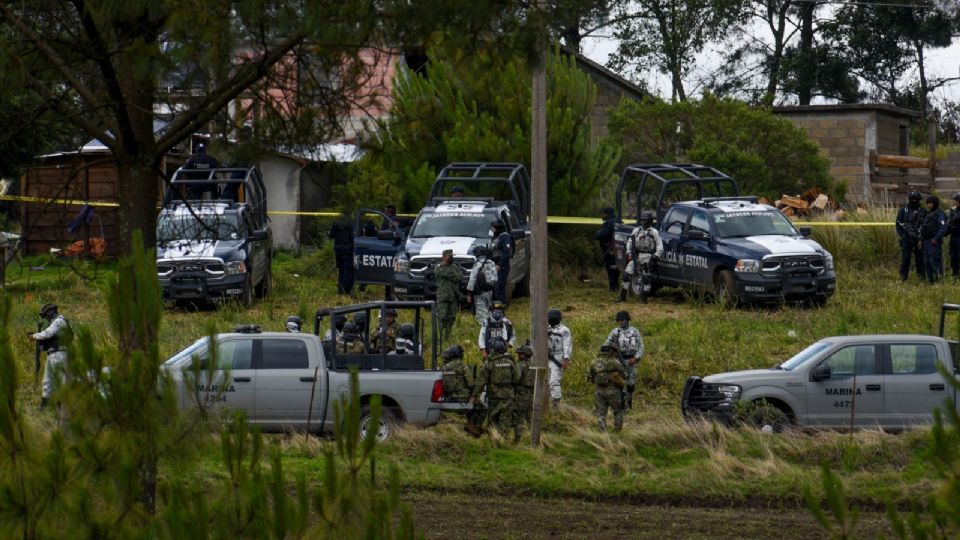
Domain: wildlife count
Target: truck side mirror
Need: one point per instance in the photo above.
(698, 235)
(821, 373)
(805, 231)
(258, 235)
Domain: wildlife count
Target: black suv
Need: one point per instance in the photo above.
(213, 237)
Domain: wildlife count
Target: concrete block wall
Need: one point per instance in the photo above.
(843, 139)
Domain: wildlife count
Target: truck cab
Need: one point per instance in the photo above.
(448, 220)
(214, 239)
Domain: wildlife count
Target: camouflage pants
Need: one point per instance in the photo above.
(502, 417)
(53, 372)
(609, 397)
(631, 378)
(523, 406)
(481, 306)
(446, 317)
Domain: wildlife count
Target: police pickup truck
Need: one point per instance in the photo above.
(720, 242)
(464, 201)
(214, 239)
(290, 381)
(888, 381)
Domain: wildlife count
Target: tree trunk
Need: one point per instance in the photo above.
(778, 30)
(924, 84)
(807, 71)
(138, 192)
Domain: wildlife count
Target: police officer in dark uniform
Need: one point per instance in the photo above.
(953, 229)
(502, 251)
(605, 236)
(933, 230)
(342, 234)
(909, 219)
(203, 162)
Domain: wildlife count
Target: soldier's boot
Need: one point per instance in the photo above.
(623, 294)
(629, 403)
(602, 421)
(555, 403)
(474, 430)
(43, 403)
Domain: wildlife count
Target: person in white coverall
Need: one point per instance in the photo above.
(560, 347)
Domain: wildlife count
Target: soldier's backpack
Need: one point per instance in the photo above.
(482, 285)
(601, 375)
(528, 376)
(501, 373)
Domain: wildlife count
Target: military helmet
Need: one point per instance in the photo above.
(294, 323)
(498, 224)
(525, 350)
(360, 319)
(406, 331)
(606, 211)
(350, 327)
(914, 195)
(480, 251)
(48, 308)
(497, 304)
(622, 315)
(646, 217)
(339, 321)
(610, 346)
(390, 312)
(956, 196)
(554, 315)
(498, 345)
(931, 198)
(451, 353)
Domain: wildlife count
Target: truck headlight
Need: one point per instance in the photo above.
(401, 264)
(827, 261)
(235, 267)
(748, 265)
(729, 390)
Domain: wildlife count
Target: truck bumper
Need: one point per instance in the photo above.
(759, 288)
(695, 404)
(407, 287)
(199, 287)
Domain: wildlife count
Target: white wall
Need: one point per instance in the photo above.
(281, 176)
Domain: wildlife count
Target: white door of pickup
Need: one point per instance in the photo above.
(854, 392)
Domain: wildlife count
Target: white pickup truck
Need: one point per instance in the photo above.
(286, 381)
(892, 381)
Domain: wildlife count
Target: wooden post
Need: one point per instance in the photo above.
(538, 239)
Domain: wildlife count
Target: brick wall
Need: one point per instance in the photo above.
(843, 139)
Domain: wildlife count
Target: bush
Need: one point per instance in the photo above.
(765, 154)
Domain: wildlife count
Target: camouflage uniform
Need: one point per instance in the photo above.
(607, 374)
(631, 346)
(448, 277)
(482, 295)
(459, 381)
(524, 392)
(350, 344)
(391, 341)
(500, 376)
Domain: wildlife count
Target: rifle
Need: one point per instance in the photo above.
(36, 355)
(556, 362)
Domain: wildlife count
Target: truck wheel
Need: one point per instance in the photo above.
(522, 288)
(247, 299)
(266, 285)
(767, 415)
(388, 423)
(725, 288)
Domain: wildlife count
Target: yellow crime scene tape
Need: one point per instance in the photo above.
(558, 220)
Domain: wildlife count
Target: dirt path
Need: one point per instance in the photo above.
(461, 516)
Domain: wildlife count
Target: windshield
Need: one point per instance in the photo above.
(472, 224)
(198, 228)
(183, 357)
(759, 223)
(804, 355)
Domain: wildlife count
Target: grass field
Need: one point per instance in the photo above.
(658, 459)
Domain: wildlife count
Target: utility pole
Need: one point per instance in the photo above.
(538, 240)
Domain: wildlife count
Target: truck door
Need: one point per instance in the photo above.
(854, 391)
(670, 267)
(285, 379)
(259, 249)
(695, 247)
(914, 387)
(520, 262)
(376, 239)
(235, 356)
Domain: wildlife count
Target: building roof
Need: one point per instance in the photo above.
(847, 107)
(598, 71)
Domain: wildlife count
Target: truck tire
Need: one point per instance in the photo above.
(725, 289)
(765, 414)
(246, 300)
(266, 284)
(523, 287)
(388, 423)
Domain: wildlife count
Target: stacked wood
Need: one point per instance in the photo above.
(821, 202)
(794, 202)
(902, 162)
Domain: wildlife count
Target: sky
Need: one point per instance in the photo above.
(942, 62)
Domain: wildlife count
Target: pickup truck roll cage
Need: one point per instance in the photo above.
(379, 360)
(253, 191)
(514, 175)
(705, 179)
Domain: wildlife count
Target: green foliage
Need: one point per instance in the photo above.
(476, 107)
(368, 186)
(765, 154)
(844, 517)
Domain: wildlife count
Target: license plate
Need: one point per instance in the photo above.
(402, 290)
(234, 291)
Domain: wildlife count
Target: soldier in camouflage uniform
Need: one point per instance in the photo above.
(499, 376)
(448, 277)
(350, 341)
(483, 279)
(630, 346)
(497, 326)
(523, 401)
(607, 374)
(459, 379)
(390, 327)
